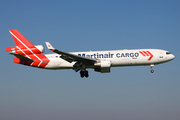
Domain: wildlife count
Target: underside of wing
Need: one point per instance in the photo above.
(71, 57)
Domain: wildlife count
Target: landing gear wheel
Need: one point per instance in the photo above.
(84, 73)
(152, 65)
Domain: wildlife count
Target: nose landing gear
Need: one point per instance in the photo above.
(152, 71)
(152, 65)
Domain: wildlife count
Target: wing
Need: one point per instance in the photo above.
(71, 57)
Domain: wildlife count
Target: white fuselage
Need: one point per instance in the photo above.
(134, 57)
(101, 61)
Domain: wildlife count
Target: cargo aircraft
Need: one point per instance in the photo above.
(101, 61)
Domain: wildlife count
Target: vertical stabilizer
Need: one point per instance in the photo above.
(20, 40)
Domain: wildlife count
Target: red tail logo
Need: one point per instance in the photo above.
(26, 53)
(147, 53)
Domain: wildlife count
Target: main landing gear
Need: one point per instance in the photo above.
(152, 68)
(81, 66)
(84, 73)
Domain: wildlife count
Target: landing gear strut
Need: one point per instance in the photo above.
(84, 73)
(152, 68)
(81, 66)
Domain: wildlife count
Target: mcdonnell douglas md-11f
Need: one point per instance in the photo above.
(101, 61)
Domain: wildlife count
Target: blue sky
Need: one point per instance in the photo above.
(125, 93)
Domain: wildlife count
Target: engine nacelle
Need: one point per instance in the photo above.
(40, 48)
(36, 50)
(103, 66)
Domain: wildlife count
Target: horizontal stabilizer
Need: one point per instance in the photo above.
(22, 57)
(8, 49)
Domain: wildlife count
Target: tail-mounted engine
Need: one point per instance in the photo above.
(19, 50)
(103, 66)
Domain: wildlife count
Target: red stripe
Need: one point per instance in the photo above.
(44, 59)
(151, 55)
(142, 53)
(146, 53)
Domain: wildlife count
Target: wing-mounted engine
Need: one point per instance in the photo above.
(103, 66)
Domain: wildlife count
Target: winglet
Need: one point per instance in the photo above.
(49, 46)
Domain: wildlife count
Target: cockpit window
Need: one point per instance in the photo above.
(167, 53)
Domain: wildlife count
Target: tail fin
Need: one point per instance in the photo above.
(25, 52)
(20, 40)
(24, 47)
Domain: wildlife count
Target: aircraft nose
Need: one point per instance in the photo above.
(173, 56)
